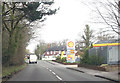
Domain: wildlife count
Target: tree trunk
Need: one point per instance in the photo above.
(9, 48)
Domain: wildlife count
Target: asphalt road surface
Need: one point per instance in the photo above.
(45, 71)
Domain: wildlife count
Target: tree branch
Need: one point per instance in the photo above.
(6, 26)
(18, 21)
(107, 22)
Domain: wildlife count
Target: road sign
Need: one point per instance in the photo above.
(70, 57)
(70, 44)
(70, 51)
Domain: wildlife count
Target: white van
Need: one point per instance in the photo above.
(32, 58)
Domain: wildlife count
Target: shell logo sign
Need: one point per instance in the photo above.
(70, 44)
(70, 51)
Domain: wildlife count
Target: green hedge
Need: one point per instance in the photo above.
(93, 60)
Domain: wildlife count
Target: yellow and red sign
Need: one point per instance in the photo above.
(70, 44)
(71, 51)
(70, 57)
(106, 44)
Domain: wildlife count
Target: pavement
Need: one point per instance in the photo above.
(113, 75)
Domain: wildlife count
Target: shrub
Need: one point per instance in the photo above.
(91, 60)
(85, 58)
(63, 59)
(57, 58)
(76, 62)
(95, 60)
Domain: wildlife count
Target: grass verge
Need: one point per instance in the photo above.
(6, 71)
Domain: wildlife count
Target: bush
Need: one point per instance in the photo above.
(85, 58)
(63, 59)
(91, 60)
(77, 62)
(57, 58)
(95, 60)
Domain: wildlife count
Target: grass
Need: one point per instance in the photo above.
(9, 70)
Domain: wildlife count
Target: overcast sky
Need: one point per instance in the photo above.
(68, 23)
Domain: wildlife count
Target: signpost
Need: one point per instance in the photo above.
(70, 51)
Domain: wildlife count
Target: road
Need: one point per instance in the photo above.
(45, 71)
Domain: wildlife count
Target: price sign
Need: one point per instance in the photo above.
(70, 51)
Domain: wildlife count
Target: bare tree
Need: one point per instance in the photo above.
(102, 35)
(108, 11)
(112, 16)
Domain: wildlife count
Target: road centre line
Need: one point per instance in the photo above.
(50, 70)
(58, 77)
(43, 66)
(53, 73)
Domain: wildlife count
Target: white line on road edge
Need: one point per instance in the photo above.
(58, 77)
(53, 73)
(47, 68)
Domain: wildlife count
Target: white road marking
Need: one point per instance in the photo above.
(43, 66)
(50, 70)
(58, 77)
(53, 73)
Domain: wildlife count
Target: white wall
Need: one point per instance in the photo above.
(48, 58)
(113, 54)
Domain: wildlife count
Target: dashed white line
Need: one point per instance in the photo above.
(53, 73)
(43, 66)
(58, 77)
(50, 70)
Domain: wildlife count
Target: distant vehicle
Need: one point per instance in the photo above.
(26, 58)
(32, 58)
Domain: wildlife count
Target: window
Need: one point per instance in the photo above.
(47, 52)
(59, 52)
(54, 52)
(51, 52)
